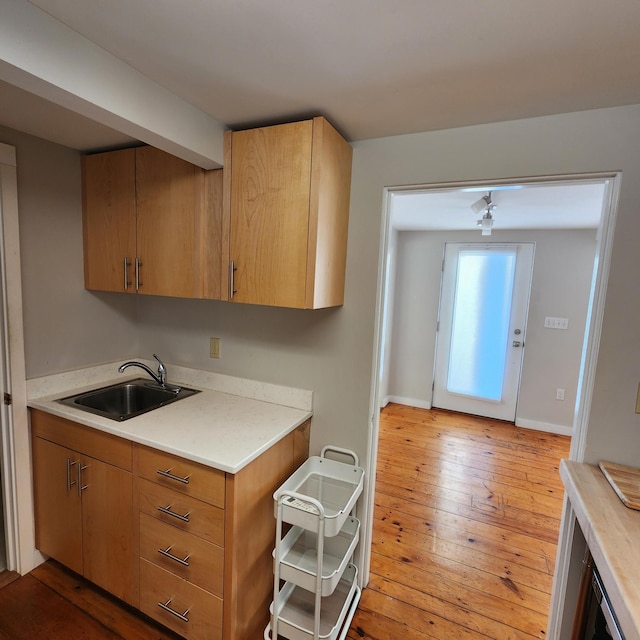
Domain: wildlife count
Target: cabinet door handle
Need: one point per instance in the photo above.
(81, 487)
(167, 554)
(170, 476)
(165, 606)
(70, 482)
(138, 265)
(232, 270)
(127, 282)
(167, 510)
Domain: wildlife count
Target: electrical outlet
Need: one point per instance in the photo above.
(638, 400)
(559, 394)
(214, 347)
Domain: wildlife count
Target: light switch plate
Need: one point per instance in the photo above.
(214, 347)
(638, 400)
(556, 323)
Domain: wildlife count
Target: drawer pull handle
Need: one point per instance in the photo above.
(167, 510)
(165, 606)
(168, 474)
(167, 554)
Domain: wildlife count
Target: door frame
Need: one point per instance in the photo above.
(588, 365)
(14, 430)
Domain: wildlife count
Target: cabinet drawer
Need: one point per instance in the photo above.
(184, 512)
(201, 610)
(198, 561)
(188, 477)
(92, 442)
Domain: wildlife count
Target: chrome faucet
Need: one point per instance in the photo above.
(160, 377)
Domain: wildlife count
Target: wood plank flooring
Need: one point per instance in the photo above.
(53, 603)
(467, 512)
(466, 523)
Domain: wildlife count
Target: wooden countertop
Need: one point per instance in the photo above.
(612, 532)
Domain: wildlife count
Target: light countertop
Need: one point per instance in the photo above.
(226, 426)
(612, 532)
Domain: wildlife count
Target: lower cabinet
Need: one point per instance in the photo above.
(83, 494)
(188, 545)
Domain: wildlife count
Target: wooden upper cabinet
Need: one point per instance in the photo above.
(109, 220)
(286, 209)
(152, 224)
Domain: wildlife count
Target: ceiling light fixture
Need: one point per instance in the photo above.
(484, 204)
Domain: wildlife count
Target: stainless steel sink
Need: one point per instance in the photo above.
(127, 399)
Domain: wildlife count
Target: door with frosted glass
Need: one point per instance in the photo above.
(484, 300)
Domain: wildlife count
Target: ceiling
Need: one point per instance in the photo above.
(577, 205)
(374, 69)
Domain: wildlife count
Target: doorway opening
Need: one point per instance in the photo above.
(548, 208)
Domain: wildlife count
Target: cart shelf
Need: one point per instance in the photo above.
(296, 607)
(298, 556)
(336, 486)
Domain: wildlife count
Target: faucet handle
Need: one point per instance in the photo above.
(162, 370)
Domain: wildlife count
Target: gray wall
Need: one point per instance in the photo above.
(562, 274)
(65, 326)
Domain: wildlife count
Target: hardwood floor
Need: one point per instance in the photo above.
(467, 512)
(53, 603)
(466, 523)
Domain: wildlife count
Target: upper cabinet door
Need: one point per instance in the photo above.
(270, 183)
(109, 220)
(152, 224)
(169, 210)
(286, 208)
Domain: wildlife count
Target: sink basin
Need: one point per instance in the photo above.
(126, 399)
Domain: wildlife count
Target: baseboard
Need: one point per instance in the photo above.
(549, 427)
(409, 402)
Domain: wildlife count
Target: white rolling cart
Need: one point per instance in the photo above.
(320, 593)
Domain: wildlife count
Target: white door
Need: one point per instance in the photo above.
(484, 300)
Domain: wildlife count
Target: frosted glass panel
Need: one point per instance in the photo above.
(480, 329)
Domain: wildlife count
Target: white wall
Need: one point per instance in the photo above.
(562, 274)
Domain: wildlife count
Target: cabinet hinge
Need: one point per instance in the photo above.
(7, 399)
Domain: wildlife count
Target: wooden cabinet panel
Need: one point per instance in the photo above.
(270, 183)
(109, 220)
(202, 562)
(287, 208)
(202, 610)
(108, 528)
(169, 208)
(188, 514)
(104, 446)
(198, 481)
(250, 534)
(58, 513)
